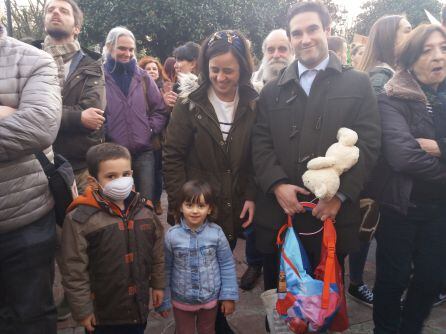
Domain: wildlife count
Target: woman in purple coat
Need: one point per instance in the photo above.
(135, 108)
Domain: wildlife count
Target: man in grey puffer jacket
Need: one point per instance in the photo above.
(30, 112)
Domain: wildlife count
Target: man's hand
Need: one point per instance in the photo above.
(227, 307)
(157, 297)
(170, 98)
(327, 209)
(430, 146)
(286, 195)
(92, 118)
(5, 111)
(248, 208)
(89, 322)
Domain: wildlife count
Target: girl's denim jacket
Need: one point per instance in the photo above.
(199, 265)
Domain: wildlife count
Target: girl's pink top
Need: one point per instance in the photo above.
(194, 307)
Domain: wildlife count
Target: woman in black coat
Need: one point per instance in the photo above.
(411, 188)
(379, 62)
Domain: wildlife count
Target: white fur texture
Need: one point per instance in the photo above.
(188, 83)
(323, 183)
(322, 176)
(321, 162)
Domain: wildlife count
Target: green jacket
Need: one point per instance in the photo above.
(83, 89)
(195, 149)
(379, 75)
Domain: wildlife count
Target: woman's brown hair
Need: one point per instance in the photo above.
(147, 60)
(222, 42)
(411, 49)
(169, 68)
(380, 47)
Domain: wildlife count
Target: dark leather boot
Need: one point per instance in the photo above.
(250, 277)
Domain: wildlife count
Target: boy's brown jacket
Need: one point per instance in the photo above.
(110, 259)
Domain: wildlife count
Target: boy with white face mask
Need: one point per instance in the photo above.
(112, 248)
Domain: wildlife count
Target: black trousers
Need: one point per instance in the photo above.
(253, 256)
(26, 271)
(221, 324)
(413, 244)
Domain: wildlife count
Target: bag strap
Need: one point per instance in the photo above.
(289, 262)
(329, 242)
(279, 240)
(46, 164)
(144, 90)
(308, 207)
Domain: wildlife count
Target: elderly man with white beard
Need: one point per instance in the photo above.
(277, 54)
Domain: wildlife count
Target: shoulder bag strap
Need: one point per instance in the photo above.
(46, 164)
(144, 90)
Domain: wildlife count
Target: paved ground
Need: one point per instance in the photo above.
(249, 316)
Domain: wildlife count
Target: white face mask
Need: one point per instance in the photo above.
(118, 189)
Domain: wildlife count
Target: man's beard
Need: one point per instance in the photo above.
(57, 33)
(272, 68)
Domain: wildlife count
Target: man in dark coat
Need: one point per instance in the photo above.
(299, 115)
(83, 94)
(82, 82)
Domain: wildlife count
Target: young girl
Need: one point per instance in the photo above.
(200, 269)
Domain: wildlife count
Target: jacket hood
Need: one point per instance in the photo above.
(381, 66)
(94, 55)
(404, 86)
(88, 198)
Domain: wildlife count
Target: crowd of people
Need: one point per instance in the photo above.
(229, 142)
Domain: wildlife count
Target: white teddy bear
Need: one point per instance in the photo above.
(322, 176)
